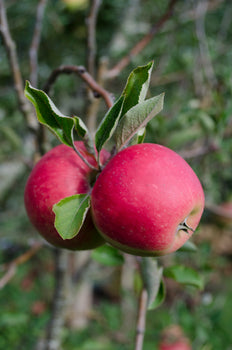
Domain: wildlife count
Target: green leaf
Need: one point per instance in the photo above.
(134, 92)
(138, 137)
(136, 87)
(108, 124)
(70, 214)
(108, 255)
(49, 115)
(151, 275)
(184, 275)
(160, 297)
(136, 119)
(188, 247)
(80, 127)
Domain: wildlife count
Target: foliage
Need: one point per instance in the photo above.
(196, 122)
(204, 316)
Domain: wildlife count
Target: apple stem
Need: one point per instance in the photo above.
(184, 226)
(84, 159)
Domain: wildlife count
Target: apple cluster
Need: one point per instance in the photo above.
(146, 200)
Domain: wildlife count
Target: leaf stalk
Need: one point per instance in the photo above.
(84, 159)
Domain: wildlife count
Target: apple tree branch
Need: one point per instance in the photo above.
(85, 76)
(141, 44)
(10, 46)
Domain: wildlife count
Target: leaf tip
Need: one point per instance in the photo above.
(151, 64)
(27, 86)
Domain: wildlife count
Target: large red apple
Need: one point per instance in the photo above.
(147, 201)
(61, 173)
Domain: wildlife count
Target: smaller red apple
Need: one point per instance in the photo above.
(173, 338)
(61, 173)
(178, 345)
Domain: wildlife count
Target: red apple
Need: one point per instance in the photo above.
(173, 338)
(178, 345)
(61, 173)
(147, 201)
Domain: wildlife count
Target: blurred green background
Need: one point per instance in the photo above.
(192, 54)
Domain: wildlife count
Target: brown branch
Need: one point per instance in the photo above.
(141, 321)
(141, 44)
(93, 107)
(33, 51)
(192, 15)
(199, 151)
(91, 35)
(10, 46)
(169, 78)
(218, 210)
(33, 57)
(12, 266)
(91, 103)
(84, 75)
(201, 11)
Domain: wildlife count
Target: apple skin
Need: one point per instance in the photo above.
(141, 197)
(179, 345)
(58, 174)
(173, 338)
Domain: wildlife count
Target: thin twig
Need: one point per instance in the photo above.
(218, 210)
(33, 51)
(33, 56)
(91, 35)
(12, 266)
(10, 46)
(53, 339)
(201, 10)
(200, 151)
(91, 103)
(192, 15)
(141, 321)
(84, 159)
(141, 44)
(93, 107)
(84, 75)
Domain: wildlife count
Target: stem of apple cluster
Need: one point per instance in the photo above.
(141, 320)
(84, 159)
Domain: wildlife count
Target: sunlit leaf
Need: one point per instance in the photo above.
(151, 275)
(136, 87)
(108, 124)
(134, 93)
(184, 275)
(160, 297)
(188, 247)
(136, 119)
(49, 115)
(70, 214)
